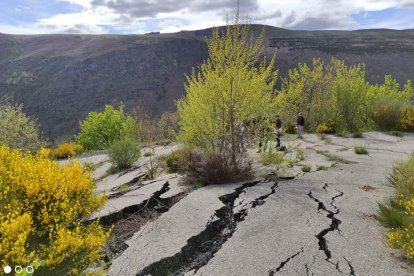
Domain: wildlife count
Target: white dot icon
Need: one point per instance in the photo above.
(29, 269)
(7, 269)
(18, 269)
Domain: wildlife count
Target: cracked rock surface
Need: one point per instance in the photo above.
(319, 223)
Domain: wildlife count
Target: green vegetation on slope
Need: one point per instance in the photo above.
(399, 212)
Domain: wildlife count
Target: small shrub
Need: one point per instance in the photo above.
(396, 133)
(300, 154)
(407, 120)
(386, 112)
(335, 158)
(324, 129)
(270, 156)
(174, 160)
(66, 150)
(124, 153)
(343, 133)
(212, 168)
(163, 142)
(150, 172)
(399, 213)
(306, 168)
(101, 129)
(17, 130)
(357, 134)
(289, 128)
(90, 167)
(45, 153)
(42, 205)
(321, 168)
(391, 216)
(360, 150)
(197, 185)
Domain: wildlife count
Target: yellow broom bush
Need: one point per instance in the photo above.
(42, 205)
(404, 237)
(407, 120)
(401, 212)
(66, 150)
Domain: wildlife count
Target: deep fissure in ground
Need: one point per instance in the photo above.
(334, 226)
(129, 220)
(201, 248)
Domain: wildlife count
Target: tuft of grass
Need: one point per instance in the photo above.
(300, 154)
(321, 168)
(271, 157)
(392, 216)
(357, 134)
(325, 138)
(123, 187)
(360, 150)
(396, 133)
(198, 185)
(335, 158)
(343, 134)
(398, 212)
(306, 168)
(90, 167)
(163, 142)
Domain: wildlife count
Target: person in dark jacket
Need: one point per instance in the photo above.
(278, 131)
(300, 124)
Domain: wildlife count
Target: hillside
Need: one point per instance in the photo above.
(60, 78)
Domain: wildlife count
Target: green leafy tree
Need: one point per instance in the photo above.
(308, 90)
(18, 130)
(349, 96)
(229, 88)
(387, 103)
(168, 125)
(329, 94)
(100, 129)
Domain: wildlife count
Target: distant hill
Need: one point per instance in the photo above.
(60, 78)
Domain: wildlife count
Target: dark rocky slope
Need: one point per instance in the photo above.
(60, 78)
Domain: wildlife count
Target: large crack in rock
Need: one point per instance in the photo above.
(201, 248)
(282, 264)
(150, 203)
(126, 222)
(334, 226)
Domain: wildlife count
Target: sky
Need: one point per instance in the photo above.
(143, 16)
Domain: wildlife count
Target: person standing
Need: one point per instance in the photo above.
(278, 131)
(300, 123)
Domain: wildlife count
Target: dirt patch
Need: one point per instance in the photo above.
(367, 188)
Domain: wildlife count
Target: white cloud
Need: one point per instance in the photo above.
(140, 16)
(406, 4)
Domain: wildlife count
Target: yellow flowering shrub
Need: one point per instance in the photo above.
(323, 128)
(42, 205)
(402, 236)
(66, 150)
(407, 120)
